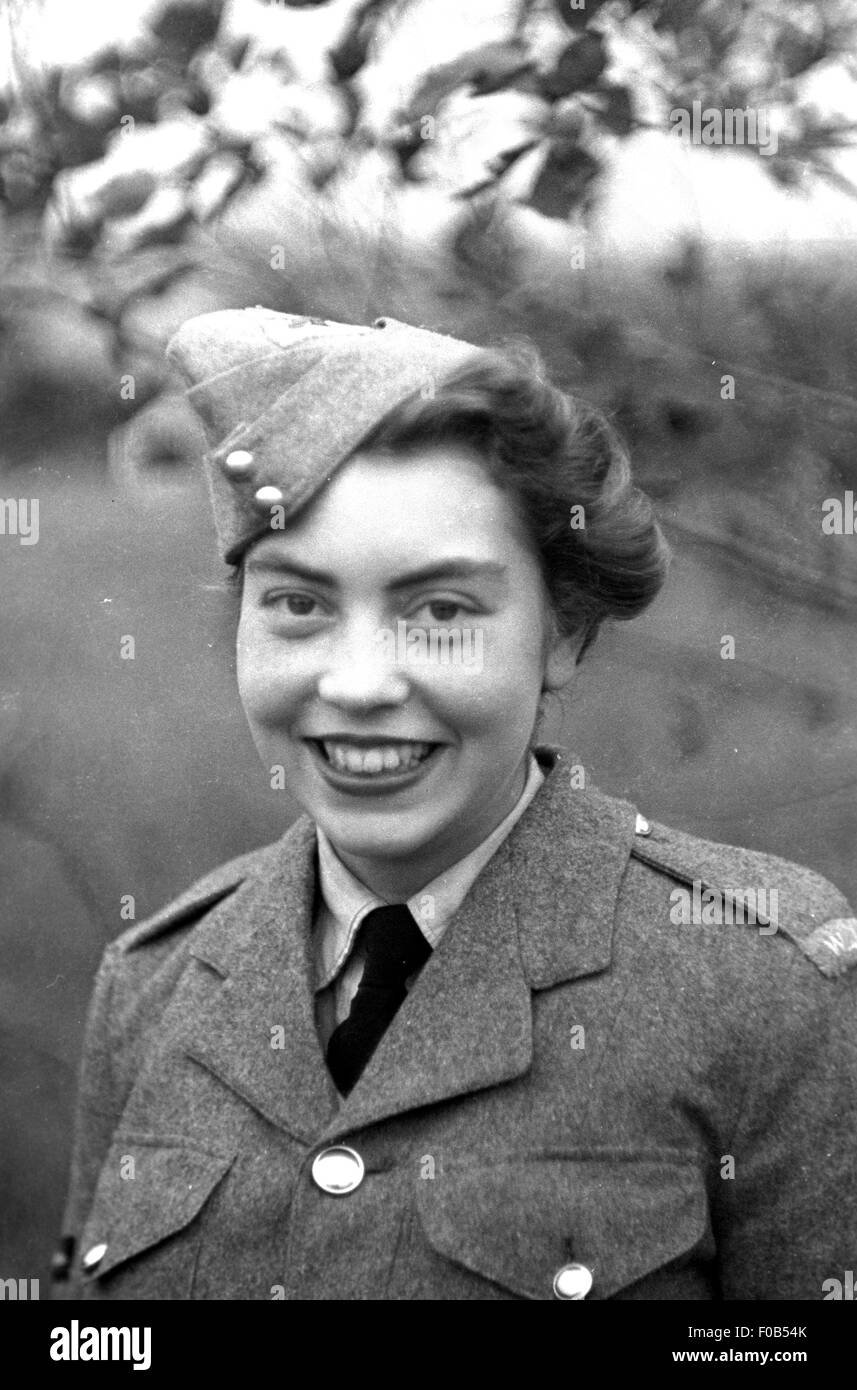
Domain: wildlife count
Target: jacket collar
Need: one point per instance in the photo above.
(347, 900)
(568, 860)
(541, 911)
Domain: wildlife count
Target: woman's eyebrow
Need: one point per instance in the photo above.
(281, 564)
(450, 569)
(456, 568)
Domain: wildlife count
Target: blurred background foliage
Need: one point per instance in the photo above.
(487, 168)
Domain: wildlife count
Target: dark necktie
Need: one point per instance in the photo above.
(395, 948)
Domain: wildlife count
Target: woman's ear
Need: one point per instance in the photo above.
(561, 657)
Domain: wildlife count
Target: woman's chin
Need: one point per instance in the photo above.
(389, 838)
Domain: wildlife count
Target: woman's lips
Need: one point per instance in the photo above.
(370, 765)
(370, 760)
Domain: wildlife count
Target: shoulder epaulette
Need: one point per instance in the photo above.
(778, 896)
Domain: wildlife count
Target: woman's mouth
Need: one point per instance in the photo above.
(383, 759)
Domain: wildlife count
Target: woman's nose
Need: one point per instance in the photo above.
(362, 672)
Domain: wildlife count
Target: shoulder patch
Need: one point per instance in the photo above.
(833, 946)
(756, 889)
(206, 893)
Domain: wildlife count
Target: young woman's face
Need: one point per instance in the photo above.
(392, 652)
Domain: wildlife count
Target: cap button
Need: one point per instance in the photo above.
(94, 1255)
(338, 1170)
(572, 1282)
(62, 1259)
(238, 463)
(642, 827)
(380, 323)
(268, 496)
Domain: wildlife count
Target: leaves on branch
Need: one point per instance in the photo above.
(348, 56)
(579, 65)
(564, 179)
(183, 26)
(105, 190)
(576, 14)
(489, 68)
(797, 52)
(615, 109)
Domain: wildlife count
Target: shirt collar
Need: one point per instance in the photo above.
(346, 901)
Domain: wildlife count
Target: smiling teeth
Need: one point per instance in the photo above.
(398, 757)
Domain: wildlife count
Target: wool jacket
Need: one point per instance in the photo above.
(579, 1075)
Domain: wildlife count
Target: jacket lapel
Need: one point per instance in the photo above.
(466, 1023)
(541, 911)
(570, 852)
(259, 942)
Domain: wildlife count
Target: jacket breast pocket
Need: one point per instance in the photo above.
(638, 1225)
(142, 1237)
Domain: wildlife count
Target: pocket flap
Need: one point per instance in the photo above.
(146, 1192)
(519, 1221)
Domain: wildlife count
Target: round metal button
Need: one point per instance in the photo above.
(643, 827)
(268, 496)
(572, 1282)
(338, 1170)
(239, 462)
(62, 1258)
(94, 1256)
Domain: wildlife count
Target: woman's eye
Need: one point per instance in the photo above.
(300, 604)
(442, 610)
(297, 605)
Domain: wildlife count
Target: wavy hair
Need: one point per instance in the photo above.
(553, 454)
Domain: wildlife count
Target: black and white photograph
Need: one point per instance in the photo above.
(428, 693)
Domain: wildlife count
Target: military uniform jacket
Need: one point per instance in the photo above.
(575, 1077)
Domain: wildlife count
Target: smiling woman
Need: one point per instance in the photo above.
(445, 1039)
(325, 702)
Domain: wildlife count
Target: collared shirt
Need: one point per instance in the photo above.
(345, 902)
